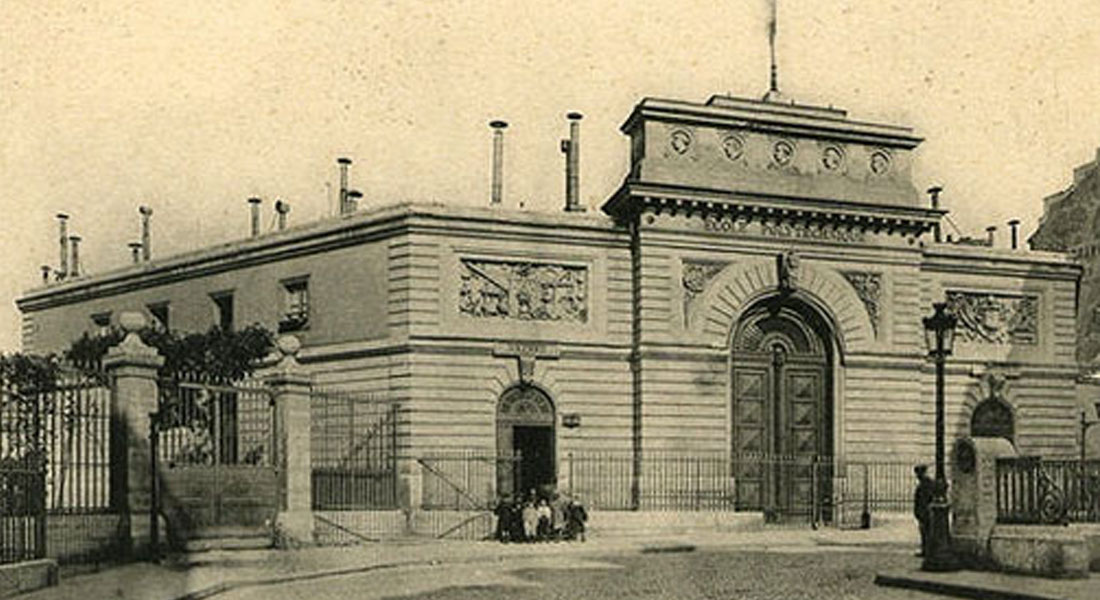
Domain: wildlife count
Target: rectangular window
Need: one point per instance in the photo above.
(223, 310)
(159, 312)
(295, 305)
(102, 322)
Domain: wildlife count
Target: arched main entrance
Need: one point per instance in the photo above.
(525, 434)
(782, 408)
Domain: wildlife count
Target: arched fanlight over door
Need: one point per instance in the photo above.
(525, 440)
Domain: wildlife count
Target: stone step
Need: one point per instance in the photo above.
(249, 542)
(606, 524)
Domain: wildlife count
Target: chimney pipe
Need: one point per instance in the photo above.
(1014, 225)
(572, 150)
(344, 163)
(146, 243)
(281, 209)
(45, 274)
(498, 161)
(135, 251)
(255, 202)
(74, 243)
(934, 193)
(63, 227)
(989, 232)
(353, 197)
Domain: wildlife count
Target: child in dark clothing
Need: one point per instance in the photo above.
(503, 513)
(575, 518)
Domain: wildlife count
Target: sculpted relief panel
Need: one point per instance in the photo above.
(695, 277)
(987, 318)
(524, 291)
(868, 287)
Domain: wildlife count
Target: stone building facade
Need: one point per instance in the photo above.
(755, 287)
(1070, 223)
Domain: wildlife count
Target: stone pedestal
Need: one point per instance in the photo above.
(974, 495)
(133, 366)
(291, 387)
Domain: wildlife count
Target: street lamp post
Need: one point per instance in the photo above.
(939, 332)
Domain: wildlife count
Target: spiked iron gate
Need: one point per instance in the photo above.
(216, 458)
(22, 479)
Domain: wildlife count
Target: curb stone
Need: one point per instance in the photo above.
(958, 590)
(221, 588)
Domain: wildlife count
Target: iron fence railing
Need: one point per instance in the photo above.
(55, 457)
(785, 489)
(76, 424)
(22, 478)
(353, 450)
(465, 479)
(1033, 490)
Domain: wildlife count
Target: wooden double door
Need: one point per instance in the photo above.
(782, 414)
(525, 442)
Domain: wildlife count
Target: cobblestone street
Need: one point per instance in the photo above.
(826, 573)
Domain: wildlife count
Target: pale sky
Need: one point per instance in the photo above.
(191, 107)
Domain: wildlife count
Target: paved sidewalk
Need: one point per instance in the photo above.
(213, 572)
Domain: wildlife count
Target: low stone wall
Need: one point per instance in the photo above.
(352, 527)
(23, 577)
(1043, 550)
(643, 523)
(1091, 533)
(334, 528)
(83, 538)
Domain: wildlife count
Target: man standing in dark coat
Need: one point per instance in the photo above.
(922, 505)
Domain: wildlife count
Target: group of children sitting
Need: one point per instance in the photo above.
(540, 518)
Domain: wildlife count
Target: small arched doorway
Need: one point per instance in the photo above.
(993, 418)
(782, 409)
(525, 440)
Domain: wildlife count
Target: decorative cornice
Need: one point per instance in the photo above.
(634, 198)
(322, 236)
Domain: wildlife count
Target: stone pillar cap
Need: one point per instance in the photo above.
(131, 321)
(288, 345)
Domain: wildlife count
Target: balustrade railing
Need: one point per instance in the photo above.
(1033, 490)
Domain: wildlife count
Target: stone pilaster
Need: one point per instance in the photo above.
(290, 384)
(133, 367)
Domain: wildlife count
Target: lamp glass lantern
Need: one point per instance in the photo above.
(940, 325)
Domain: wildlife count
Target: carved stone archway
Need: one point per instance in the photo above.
(991, 411)
(739, 285)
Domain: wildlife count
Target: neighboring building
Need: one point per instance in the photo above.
(755, 286)
(1071, 223)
